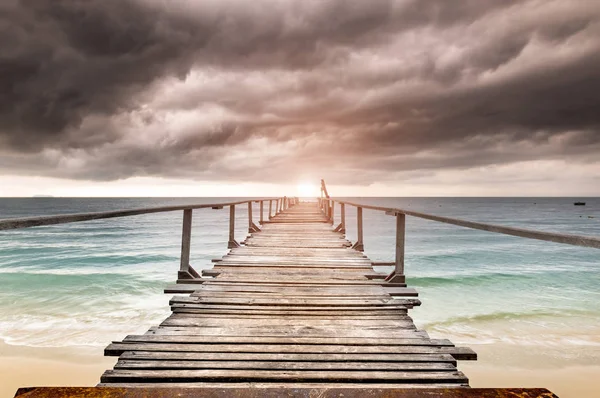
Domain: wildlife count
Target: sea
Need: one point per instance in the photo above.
(89, 283)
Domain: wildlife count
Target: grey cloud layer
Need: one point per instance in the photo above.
(262, 90)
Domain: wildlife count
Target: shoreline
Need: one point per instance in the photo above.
(22, 366)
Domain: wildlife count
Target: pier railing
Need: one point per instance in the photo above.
(186, 271)
(328, 204)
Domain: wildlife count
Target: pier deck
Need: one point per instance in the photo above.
(293, 306)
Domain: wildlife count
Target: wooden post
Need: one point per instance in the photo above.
(251, 226)
(186, 239)
(261, 212)
(400, 235)
(397, 276)
(185, 269)
(270, 207)
(332, 215)
(232, 243)
(342, 225)
(250, 216)
(359, 226)
(343, 216)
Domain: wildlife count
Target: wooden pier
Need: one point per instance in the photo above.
(294, 305)
(295, 310)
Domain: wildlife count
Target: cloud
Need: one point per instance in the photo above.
(273, 90)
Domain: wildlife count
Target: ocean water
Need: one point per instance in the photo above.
(93, 282)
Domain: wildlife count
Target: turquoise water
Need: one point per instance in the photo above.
(93, 282)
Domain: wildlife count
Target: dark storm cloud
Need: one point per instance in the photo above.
(266, 89)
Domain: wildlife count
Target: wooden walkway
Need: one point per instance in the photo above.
(294, 306)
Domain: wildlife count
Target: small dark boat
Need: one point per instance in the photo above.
(579, 203)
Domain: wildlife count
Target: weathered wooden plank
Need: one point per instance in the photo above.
(418, 336)
(193, 339)
(199, 321)
(374, 336)
(401, 292)
(258, 302)
(292, 296)
(284, 282)
(286, 357)
(234, 315)
(321, 389)
(306, 313)
(183, 319)
(288, 308)
(306, 301)
(322, 290)
(129, 375)
(278, 365)
(316, 282)
(300, 331)
(118, 348)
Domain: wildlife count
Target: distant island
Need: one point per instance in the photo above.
(43, 196)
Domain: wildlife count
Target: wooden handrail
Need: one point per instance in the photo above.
(324, 192)
(397, 276)
(186, 271)
(576, 240)
(27, 222)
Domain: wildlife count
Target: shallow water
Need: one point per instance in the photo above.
(93, 282)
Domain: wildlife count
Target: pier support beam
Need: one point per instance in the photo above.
(251, 226)
(232, 243)
(261, 212)
(359, 226)
(397, 275)
(332, 212)
(342, 225)
(185, 269)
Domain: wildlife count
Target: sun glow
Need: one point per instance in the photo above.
(307, 190)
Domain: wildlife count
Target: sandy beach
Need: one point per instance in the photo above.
(25, 366)
(22, 366)
(502, 365)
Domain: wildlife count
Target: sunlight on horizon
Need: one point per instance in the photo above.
(307, 190)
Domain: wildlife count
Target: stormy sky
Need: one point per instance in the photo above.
(439, 97)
